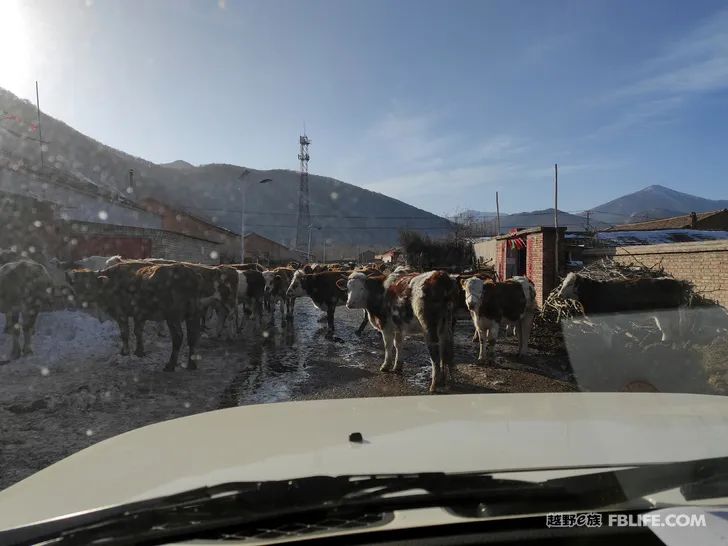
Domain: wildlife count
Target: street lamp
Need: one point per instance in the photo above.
(243, 192)
(308, 252)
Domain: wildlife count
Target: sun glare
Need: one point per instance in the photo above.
(14, 59)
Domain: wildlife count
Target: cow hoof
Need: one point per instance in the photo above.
(28, 351)
(385, 368)
(397, 371)
(168, 368)
(140, 354)
(15, 355)
(191, 366)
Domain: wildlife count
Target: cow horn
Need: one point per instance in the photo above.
(339, 286)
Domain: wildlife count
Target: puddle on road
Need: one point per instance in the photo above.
(272, 367)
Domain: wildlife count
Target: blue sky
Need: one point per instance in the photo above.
(439, 104)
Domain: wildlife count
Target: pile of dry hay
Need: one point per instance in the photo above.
(555, 308)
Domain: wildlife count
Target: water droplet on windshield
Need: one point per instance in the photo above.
(214, 254)
(89, 432)
(44, 371)
(103, 215)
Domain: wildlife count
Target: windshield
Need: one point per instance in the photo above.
(228, 205)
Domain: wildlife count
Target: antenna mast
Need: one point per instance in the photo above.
(304, 214)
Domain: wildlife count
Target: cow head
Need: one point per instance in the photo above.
(268, 277)
(357, 290)
(473, 288)
(569, 288)
(296, 289)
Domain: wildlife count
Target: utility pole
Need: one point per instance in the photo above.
(40, 132)
(556, 223)
(497, 215)
(588, 223)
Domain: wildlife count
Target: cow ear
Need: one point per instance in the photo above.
(103, 279)
(463, 282)
(339, 284)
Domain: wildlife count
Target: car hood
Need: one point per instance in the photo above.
(457, 433)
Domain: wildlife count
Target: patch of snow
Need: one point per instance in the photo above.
(66, 336)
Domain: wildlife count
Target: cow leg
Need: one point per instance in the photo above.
(446, 350)
(433, 347)
(397, 346)
(363, 324)
(240, 322)
(193, 336)
(493, 332)
(291, 305)
(523, 328)
(175, 332)
(29, 319)
(124, 331)
(13, 327)
(258, 310)
(388, 338)
(139, 335)
(476, 336)
(481, 331)
(330, 309)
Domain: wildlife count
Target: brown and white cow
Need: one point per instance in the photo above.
(491, 303)
(170, 293)
(251, 293)
(277, 282)
(323, 290)
(25, 288)
(403, 303)
(612, 297)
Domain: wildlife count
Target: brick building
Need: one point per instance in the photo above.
(179, 221)
(95, 239)
(531, 253)
(266, 251)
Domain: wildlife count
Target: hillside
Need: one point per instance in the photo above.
(654, 202)
(534, 218)
(350, 217)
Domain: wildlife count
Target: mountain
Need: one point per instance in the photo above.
(653, 202)
(544, 217)
(474, 214)
(179, 164)
(347, 216)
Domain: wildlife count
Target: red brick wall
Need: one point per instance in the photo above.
(501, 259)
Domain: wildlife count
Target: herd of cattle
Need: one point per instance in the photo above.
(396, 303)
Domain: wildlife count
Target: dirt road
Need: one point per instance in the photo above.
(76, 390)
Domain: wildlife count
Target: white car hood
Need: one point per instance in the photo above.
(401, 435)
